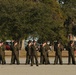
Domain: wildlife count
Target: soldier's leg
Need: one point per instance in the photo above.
(69, 58)
(32, 60)
(60, 59)
(45, 59)
(56, 59)
(17, 58)
(3, 59)
(73, 59)
(5, 62)
(12, 58)
(36, 60)
(48, 58)
(41, 59)
(0, 59)
(27, 57)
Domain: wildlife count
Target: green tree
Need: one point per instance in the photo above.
(69, 9)
(19, 18)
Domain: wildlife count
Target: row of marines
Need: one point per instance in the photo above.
(31, 53)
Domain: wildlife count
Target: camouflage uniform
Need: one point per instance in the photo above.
(47, 53)
(71, 49)
(58, 53)
(43, 57)
(15, 53)
(12, 55)
(28, 52)
(34, 55)
(2, 54)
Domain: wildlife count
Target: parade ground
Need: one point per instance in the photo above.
(50, 69)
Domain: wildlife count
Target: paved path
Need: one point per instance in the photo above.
(22, 60)
(40, 70)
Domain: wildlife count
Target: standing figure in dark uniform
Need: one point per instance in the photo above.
(28, 52)
(15, 50)
(71, 49)
(34, 54)
(58, 53)
(47, 53)
(12, 55)
(2, 53)
(43, 57)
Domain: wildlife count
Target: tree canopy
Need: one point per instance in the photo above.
(20, 18)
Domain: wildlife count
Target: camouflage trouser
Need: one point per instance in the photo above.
(15, 57)
(28, 59)
(56, 59)
(43, 59)
(12, 58)
(71, 56)
(32, 60)
(2, 59)
(48, 62)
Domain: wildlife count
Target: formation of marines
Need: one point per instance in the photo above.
(32, 53)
